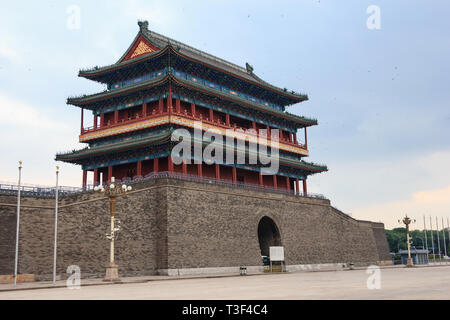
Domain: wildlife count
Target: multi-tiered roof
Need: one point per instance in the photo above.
(172, 80)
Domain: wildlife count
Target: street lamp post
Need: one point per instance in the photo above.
(55, 241)
(407, 221)
(16, 258)
(112, 191)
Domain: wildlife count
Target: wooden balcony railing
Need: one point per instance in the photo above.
(188, 115)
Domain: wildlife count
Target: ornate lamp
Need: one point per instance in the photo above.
(112, 191)
(407, 221)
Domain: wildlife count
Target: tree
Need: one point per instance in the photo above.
(397, 239)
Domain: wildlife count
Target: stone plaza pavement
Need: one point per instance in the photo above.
(396, 283)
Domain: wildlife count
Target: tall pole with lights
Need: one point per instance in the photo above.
(425, 234)
(16, 258)
(112, 191)
(56, 227)
(407, 221)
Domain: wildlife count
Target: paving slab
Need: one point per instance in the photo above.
(394, 283)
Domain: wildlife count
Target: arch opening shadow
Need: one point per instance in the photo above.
(268, 235)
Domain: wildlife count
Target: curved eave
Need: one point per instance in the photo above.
(73, 157)
(92, 74)
(115, 147)
(82, 101)
(265, 85)
(236, 99)
(307, 166)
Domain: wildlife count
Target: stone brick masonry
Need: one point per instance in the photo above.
(169, 224)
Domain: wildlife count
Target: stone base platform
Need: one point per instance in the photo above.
(174, 226)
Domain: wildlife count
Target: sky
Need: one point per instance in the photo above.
(381, 95)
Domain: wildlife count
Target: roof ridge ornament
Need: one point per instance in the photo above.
(249, 68)
(143, 25)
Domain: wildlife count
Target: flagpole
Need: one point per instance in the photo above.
(443, 237)
(16, 259)
(432, 240)
(448, 230)
(425, 235)
(438, 240)
(56, 227)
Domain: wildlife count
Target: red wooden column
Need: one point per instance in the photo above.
(227, 119)
(82, 120)
(156, 165)
(261, 179)
(110, 172)
(116, 116)
(178, 105)
(217, 171)
(144, 110)
(170, 163)
(254, 125)
(193, 109)
(95, 122)
(234, 174)
(95, 176)
(288, 183)
(169, 100)
(295, 137)
(84, 178)
(306, 139)
(305, 191)
(102, 120)
(161, 105)
(184, 167)
(211, 115)
(139, 169)
(268, 133)
(297, 186)
(275, 185)
(200, 169)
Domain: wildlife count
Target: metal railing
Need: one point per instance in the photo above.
(37, 190)
(49, 192)
(222, 182)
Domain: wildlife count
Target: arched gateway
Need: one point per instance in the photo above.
(268, 235)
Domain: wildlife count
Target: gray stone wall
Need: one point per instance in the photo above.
(216, 226)
(141, 243)
(381, 241)
(36, 232)
(174, 224)
(7, 236)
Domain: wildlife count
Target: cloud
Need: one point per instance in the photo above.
(28, 134)
(156, 15)
(8, 52)
(438, 196)
(433, 202)
(385, 189)
(18, 113)
(353, 182)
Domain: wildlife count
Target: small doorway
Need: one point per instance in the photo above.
(268, 236)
